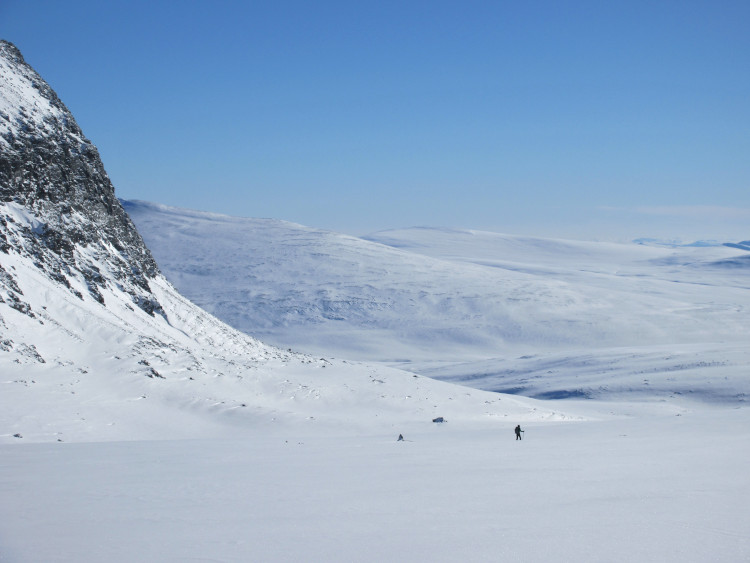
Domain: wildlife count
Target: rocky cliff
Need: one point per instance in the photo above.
(57, 204)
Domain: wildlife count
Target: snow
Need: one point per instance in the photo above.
(21, 103)
(642, 488)
(435, 301)
(128, 437)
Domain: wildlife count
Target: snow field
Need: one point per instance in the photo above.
(425, 294)
(182, 439)
(643, 487)
(78, 371)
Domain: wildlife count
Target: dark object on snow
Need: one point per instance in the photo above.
(400, 438)
(438, 419)
(518, 432)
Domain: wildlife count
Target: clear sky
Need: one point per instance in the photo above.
(582, 119)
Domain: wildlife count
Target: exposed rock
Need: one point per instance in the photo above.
(57, 204)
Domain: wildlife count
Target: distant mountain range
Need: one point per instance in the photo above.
(744, 245)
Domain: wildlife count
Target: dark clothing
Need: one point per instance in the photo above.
(518, 432)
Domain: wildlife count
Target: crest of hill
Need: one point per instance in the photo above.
(432, 294)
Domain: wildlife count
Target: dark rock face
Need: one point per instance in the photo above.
(72, 223)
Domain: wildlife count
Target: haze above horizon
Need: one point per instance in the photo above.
(584, 120)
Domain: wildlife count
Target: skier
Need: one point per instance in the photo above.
(518, 432)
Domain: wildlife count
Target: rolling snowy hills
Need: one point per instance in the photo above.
(540, 317)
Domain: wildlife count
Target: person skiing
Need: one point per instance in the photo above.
(518, 432)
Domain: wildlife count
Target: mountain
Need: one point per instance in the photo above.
(95, 343)
(743, 245)
(60, 207)
(498, 312)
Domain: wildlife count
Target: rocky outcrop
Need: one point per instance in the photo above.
(57, 204)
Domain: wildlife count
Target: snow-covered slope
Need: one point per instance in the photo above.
(75, 370)
(541, 317)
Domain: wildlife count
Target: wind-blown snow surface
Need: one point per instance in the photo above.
(643, 488)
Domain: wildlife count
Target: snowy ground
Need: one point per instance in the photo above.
(645, 487)
(126, 437)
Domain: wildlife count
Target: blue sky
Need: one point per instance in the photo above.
(580, 119)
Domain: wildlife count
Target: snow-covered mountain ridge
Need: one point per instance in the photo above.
(499, 312)
(466, 291)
